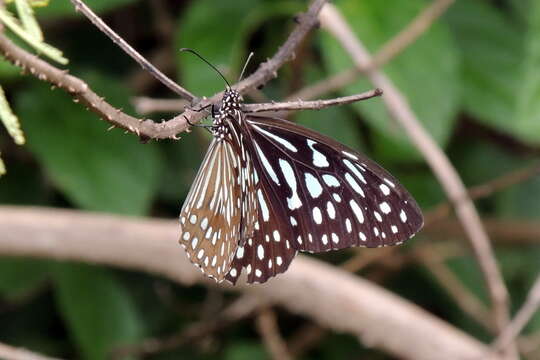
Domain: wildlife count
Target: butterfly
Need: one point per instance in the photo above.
(269, 188)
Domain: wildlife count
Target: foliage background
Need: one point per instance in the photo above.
(473, 80)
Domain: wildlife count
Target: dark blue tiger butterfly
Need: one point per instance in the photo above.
(268, 188)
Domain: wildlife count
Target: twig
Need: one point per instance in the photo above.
(355, 306)
(507, 232)
(399, 109)
(416, 28)
(238, 310)
(529, 308)
(147, 128)
(311, 105)
(146, 105)
(484, 190)
(268, 69)
(128, 49)
(12, 353)
(269, 331)
(434, 262)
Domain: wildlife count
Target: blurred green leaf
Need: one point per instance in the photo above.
(57, 8)
(245, 351)
(96, 169)
(97, 309)
(492, 50)
(500, 71)
(215, 30)
(426, 72)
(19, 277)
(528, 107)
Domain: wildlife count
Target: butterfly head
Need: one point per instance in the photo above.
(231, 101)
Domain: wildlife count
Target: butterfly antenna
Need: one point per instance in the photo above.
(206, 61)
(245, 66)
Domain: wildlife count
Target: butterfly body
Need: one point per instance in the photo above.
(269, 188)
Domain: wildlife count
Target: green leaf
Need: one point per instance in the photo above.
(245, 351)
(19, 277)
(426, 72)
(528, 106)
(500, 70)
(96, 169)
(57, 8)
(215, 29)
(97, 309)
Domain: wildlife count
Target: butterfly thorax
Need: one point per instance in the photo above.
(229, 109)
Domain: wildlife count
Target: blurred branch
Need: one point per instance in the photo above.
(523, 316)
(128, 49)
(416, 28)
(12, 353)
(487, 189)
(146, 105)
(238, 310)
(399, 109)
(268, 329)
(406, 37)
(468, 302)
(356, 306)
(503, 231)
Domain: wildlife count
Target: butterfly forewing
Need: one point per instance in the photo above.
(332, 196)
(211, 216)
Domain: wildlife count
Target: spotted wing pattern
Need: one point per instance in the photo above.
(211, 216)
(269, 188)
(319, 195)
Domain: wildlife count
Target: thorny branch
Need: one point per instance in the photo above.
(149, 129)
(128, 49)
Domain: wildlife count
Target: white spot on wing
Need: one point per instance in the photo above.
(330, 180)
(319, 159)
(317, 216)
(280, 140)
(357, 211)
(384, 189)
(331, 210)
(313, 185)
(294, 201)
(266, 164)
(263, 206)
(403, 216)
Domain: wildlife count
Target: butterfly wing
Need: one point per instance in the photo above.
(331, 196)
(211, 216)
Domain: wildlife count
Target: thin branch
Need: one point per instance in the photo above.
(468, 302)
(268, 329)
(355, 306)
(8, 352)
(406, 37)
(268, 69)
(146, 105)
(128, 49)
(146, 128)
(400, 110)
(523, 316)
(311, 105)
(487, 189)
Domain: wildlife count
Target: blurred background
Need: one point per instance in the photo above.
(473, 80)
